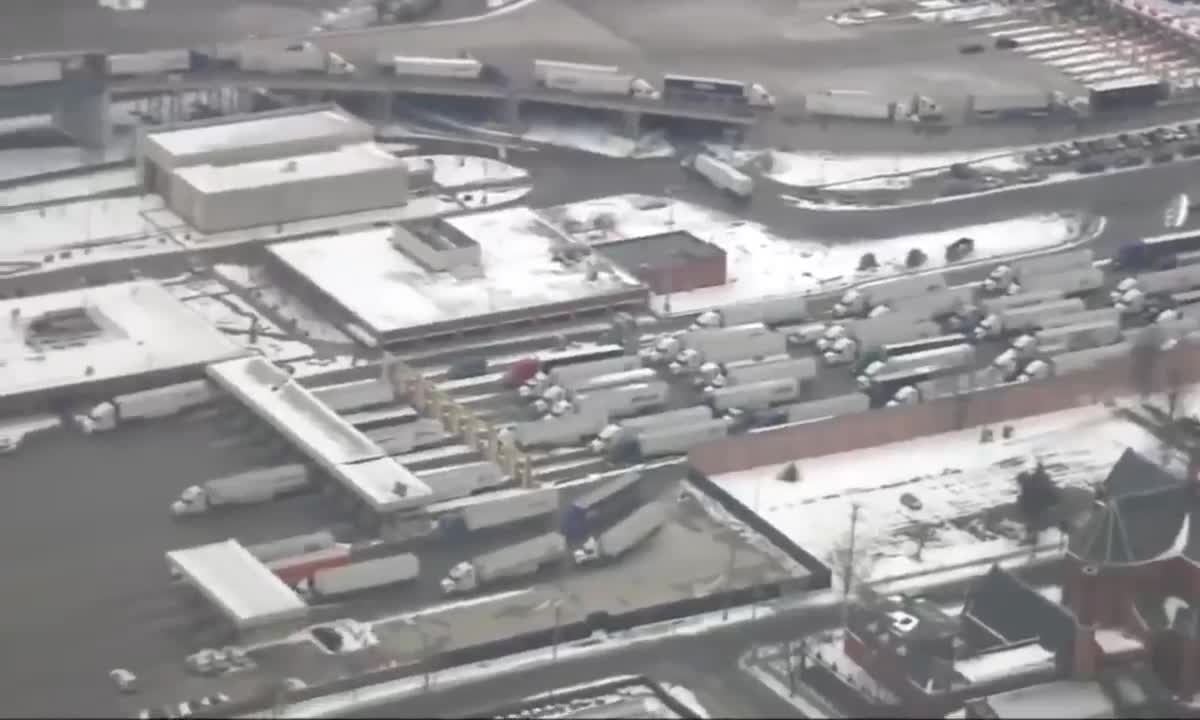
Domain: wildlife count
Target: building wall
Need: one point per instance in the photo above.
(273, 204)
(984, 407)
(698, 273)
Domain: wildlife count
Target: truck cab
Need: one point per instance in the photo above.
(852, 303)
(757, 96)
(192, 501)
(842, 351)
(588, 552)
(461, 578)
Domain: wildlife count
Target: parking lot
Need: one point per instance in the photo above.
(1123, 150)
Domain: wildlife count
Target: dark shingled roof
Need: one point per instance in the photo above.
(1140, 519)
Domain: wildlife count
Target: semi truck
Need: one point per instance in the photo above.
(355, 395)
(1157, 252)
(728, 345)
(1002, 278)
(852, 105)
(571, 376)
(507, 563)
(690, 88)
(755, 396)
(1079, 281)
(656, 442)
(631, 428)
(827, 407)
(543, 68)
(937, 304)
(494, 509)
(1079, 336)
(627, 400)
(588, 82)
(296, 569)
(525, 368)
(769, 311)
(1131, 294)
(571, 428)
(1006, 105)
(902, 367)
(292, 546)
(858, 302)
(14, 431)
(147, 405)
(1024, 318)
(300, 57)
(711, 341)
(619, 539)
(329, 582)
(847, 341)
(1070, 362)
(752, 371)
(254, 486)
(429, 67)
(458, 481)
(721, 174)
(158, 62)
(16, 74)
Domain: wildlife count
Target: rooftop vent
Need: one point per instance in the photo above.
(902, 622)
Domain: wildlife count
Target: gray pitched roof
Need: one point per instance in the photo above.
(1133, 474)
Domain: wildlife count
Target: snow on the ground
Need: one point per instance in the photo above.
(761, 264)
(686, 698)
(41, 230)
(453, 171)
(25, 122)
(953, 476)
(598, 139)
(309, 323)
(962, 14)
(68, 188)
(398, 148)
(491, 197)
(879, 172)
(828, 651)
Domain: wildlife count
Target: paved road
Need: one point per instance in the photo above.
(705, 663)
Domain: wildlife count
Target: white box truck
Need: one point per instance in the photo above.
(365, 575)
(626, 400)
(568, 429)
(158, 62)
(858, 302)
(584, 82)
(507, 563)
(440, 68)
(1024, 318)
(804, 368)
(495, 509)
(254, 486)
(904, 366)
(462, 480)
(147, 405)
(622, 537)
(755, 396)
(770, 311)
(857, 106)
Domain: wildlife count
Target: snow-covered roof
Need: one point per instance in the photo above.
(233, 579)
(247, 134)
(323, 435)
(1004, 663)
(118, 331)
(390, 293)
(1064, 698)
(347, 160)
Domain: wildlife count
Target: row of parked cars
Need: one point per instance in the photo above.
(1160, 145)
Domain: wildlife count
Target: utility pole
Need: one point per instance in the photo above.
(848, 568)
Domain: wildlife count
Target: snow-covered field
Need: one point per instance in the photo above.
(454, 171)
(68, 188)
(954, 477)
(762, 264)
(33, 161)
(880, 172)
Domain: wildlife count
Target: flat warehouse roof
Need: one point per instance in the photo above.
(348, 160)
(323, 435)
(102, 333)
(658, 251)
(234, 580)
(1124, 83)
(255, 132)
(392, 294)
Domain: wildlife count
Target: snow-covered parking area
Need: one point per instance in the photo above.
(955, 479)
(881, 172)
(760, 263)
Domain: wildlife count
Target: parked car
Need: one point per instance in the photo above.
(1163, 157)
(1089, 167)
(971, 49)
(959, 249)
(1126, 161)
(1006, 43)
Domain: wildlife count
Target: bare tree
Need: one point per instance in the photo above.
(851, 559)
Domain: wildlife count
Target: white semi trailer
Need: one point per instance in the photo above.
(507, 563)
(622, 537)
(254, 486)
(721, 174)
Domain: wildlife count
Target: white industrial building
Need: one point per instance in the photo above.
(269, 168)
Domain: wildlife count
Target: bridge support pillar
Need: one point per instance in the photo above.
(631, 124)
(510, 113)
(85, 111)
(383, 108)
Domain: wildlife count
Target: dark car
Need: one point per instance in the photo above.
(1089, 167)
(1111, 144)
(1163, 157)
(466, 367)
(959, 249)
(1128, 161)
(971, 49)
(1006, 43)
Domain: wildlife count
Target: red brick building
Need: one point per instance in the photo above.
(1133, 573)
